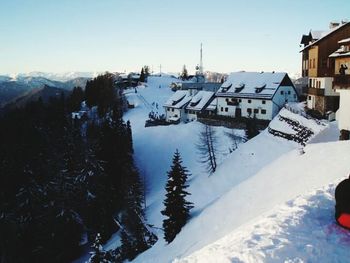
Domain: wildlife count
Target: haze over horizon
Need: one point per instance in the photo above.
(111, 35)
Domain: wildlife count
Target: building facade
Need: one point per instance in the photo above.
(319, 67)
(342, 84)
(253, 94)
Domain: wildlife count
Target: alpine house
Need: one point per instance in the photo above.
(255, 94)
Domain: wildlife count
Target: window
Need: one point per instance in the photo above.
(263, 111)
(249, 101)
(239, 100)
(256, 110)
(168, 109)
(222, 109)
(172, 109)
(286, 100)
(314, 63)
(249, 110)
(282, 92)
(288, 92)
(263, 102)
(309, 97)
(226, 109)
(227, 100)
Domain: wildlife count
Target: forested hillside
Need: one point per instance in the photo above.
(64, 180)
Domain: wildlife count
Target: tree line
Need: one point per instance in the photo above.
(65, 181)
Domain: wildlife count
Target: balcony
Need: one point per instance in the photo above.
(341, 81)
(316, 92)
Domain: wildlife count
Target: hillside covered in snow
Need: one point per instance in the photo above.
(267, 178)
(23, 86)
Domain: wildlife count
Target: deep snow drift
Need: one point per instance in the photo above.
(301, 230)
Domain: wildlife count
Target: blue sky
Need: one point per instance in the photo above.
(118, 35)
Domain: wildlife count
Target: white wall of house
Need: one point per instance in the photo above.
(224, 109)
(283, 95)
(343, 114)
(190, 115)
(262, 109)
(311, 101)
(172, 112)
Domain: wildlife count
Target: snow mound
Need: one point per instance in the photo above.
(301, 230)
(295, 127)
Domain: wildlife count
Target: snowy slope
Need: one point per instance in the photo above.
(301, 230)
(287, 177)
(252, 182)
(155, 146)
(245, 182)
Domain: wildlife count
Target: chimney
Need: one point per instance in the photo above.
(344, 21)
(333, 24)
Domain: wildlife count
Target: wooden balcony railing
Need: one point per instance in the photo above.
(314, 91)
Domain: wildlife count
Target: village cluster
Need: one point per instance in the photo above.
(325, 84)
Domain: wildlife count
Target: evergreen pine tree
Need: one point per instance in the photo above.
(176, 207)
(184, 73)
(98, 255)
(136, 236)
(251, 128)
(142, 76)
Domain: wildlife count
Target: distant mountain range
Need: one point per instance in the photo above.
(62, 77)
(45, 93)
(14, 87)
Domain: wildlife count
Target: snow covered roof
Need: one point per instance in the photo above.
(317, 34)
(212, 106)
(327, 34)
(179, 99)
(200, 100)
(343, 51)
(251, 84)
(207, 86)
(343, 41)
(339, 53)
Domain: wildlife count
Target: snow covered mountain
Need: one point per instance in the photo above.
(62, 77)
(16, 86)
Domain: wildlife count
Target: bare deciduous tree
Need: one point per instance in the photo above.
(207, 148)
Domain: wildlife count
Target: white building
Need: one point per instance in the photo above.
(175, 106)
(185, 105)
(319, 86)
(254, 94)
(198, 104)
